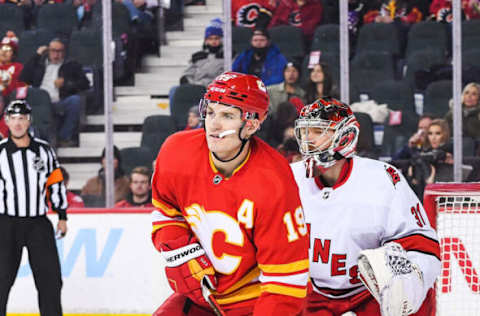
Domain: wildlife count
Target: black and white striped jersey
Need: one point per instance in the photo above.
(29, 177)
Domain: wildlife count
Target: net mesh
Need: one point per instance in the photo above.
(458, 228)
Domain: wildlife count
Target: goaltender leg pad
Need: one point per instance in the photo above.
(394, 281)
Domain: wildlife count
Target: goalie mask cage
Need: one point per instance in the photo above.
(454, 210)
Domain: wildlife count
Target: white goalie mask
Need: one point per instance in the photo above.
(326, 131)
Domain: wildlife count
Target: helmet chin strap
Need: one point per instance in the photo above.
(243, 140)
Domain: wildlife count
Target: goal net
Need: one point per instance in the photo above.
(454, 209)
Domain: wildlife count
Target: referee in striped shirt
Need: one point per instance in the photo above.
(29, 177)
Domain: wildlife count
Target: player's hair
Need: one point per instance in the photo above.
(141, 170)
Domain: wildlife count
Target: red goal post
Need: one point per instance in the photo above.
(454, 211)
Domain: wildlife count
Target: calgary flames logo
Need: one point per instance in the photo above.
(247, 15)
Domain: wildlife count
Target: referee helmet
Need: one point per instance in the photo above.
(18, 107)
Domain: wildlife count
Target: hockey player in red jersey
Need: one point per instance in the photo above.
(372, 249)
(228, 215)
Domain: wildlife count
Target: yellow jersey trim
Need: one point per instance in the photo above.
(285, 290)
(165, 209)
(285, 268)
(215, 170)
(157, 227)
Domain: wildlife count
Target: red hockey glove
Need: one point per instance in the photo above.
(186, 266)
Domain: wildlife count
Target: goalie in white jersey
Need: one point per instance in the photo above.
(372, 249)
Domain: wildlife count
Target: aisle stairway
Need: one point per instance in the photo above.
(149, 96)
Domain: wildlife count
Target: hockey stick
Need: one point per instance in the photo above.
(208, 296)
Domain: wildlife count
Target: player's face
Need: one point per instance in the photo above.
(139, 184)
(316, 138)
(223, 119)
(435, 136)
(18, 125)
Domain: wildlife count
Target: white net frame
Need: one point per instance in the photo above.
(456, 207)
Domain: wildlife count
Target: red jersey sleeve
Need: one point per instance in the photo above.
(167, 219)
(282, 249)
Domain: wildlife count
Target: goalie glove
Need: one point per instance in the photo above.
(394, 281)
(187, 265)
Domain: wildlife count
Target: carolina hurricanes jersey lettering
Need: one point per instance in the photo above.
(371, 206)
(251, 225)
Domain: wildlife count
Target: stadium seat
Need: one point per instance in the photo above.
(11, 16)
(399, 97)
(185, 96)
(240, 39)
(427, 34)
(120, 19)
(437, 97)
(30, 40)
(326, 39)
(86, 48)
(42, 112)
(470, 34)
(59, 18)
(135, 157)
(396, 94)
(367, 69)
(155, 129)
(289, 40)
(378, 37)
(471, 57)
(422, 60)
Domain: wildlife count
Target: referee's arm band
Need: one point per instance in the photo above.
(62, 214)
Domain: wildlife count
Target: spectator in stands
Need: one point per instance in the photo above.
(389, 11)
(284, 118)
(140, 194)
(248, 13)
(471, 8)
(193, 119)
(74, 201)
(470, 111)
(304, 14)
(64, 80)
(289, 147)
(9, 69)
(417, 140)
(208, 63)
(290, 87)
(4, 132)
(441, 10)
(433, 162)
(319, 83)
(138, 11)
(95, 186)
(263, 59)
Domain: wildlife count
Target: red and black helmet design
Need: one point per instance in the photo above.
(327, 114)
(246, 92)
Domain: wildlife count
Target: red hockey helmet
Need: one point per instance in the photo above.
(246, 92)
(327, 114)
